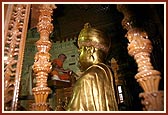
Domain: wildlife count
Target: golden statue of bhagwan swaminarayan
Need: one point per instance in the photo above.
(94, 90)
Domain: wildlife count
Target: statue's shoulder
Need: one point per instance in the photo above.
(98, 68)
(97, 71)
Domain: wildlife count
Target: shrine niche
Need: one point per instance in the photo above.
(30, 46)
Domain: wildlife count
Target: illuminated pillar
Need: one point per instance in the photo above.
(15, 29)
(42, 65)
(140, 47)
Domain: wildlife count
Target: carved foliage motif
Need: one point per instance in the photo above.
(140, 47)
(13, 53)
(42, 65)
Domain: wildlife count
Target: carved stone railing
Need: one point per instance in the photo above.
(15, 29)
(140, 47)
(42, 65)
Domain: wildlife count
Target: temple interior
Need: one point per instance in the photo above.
(68, 20)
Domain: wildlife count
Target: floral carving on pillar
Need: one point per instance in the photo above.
(128, 21)
(140, 47)
(42, 65)
(15, 29)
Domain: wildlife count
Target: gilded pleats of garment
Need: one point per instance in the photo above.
(94, 91)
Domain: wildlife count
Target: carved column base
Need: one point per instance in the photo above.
(40, 106)
(41, 94)
(152, 101)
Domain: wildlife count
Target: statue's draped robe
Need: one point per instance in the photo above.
(94, 91)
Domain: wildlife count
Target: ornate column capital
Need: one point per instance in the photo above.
(44, 25)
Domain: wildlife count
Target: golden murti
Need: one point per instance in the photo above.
(94, 90)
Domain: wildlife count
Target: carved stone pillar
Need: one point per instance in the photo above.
(140, 47)
(42, 65)
(15, 29)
